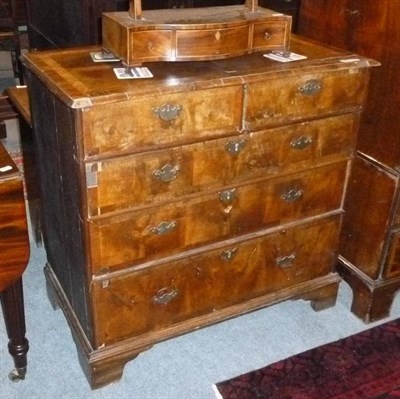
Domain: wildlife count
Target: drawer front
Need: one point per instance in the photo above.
(159, 121)
(126, 182)
(150, 44)
(192, 44)
(157, 232)
(392, 265)
(284, 100)
(156, 298)
(270, 35)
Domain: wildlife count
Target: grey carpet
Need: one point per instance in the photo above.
(7, 82)
(181, 368)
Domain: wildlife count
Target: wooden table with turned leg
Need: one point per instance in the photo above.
(14, 255)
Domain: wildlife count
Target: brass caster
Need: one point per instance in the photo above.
(17, 374)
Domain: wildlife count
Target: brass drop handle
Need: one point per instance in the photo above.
(165, 295)
(234, 147)
(167, 173)
(310, 87)
(168, 112)
(163, 228)
(228, 254)
(285, 261)
(301, 143)
(227, 196)
(292, 195)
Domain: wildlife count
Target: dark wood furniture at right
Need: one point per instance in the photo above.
(370, 244)
(69, 23)
(14, 255)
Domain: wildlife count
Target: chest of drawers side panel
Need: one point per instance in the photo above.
(369, 209)
(55, 138)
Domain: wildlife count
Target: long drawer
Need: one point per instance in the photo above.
(127, 182)
(155, 298)
(157, 232)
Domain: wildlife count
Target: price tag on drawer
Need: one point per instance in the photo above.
(133, 73)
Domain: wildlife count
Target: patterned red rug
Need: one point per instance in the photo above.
(362, 366)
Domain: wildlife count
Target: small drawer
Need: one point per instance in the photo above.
(287, 99)
(150, 44)
(271, 35)
(163, 120)
(150, 234)
(126, 182)
(160, 297)
(211, 42)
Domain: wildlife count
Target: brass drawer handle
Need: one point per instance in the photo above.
(285, 261)
(228, 254)
(163, 228)
(227, 196)
(311, 87)
(301, 143)
(234, 147)
(168, 112)
(165, 295)
(292, 195)
(167, 173)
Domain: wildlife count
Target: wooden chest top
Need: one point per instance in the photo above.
(79, 82)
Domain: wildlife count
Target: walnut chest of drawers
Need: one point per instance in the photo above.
(211, 190)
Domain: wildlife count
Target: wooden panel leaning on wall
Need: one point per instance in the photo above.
(369, 245)
(174, 202)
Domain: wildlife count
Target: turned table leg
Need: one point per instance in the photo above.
(12, 301)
